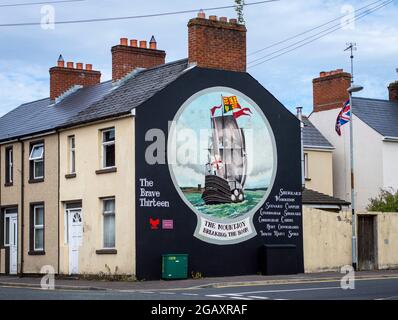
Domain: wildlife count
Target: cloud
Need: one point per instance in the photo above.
(27, 53)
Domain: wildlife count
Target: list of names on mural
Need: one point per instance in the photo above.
(149, 196)
(280, 218)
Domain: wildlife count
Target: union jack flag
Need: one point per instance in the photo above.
(343, 117)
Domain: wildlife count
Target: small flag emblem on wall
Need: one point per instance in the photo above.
(168, 224)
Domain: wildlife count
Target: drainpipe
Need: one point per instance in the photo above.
(58, 205)
(22, 205)
(300, 117)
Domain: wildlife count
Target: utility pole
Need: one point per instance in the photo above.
(352, 47)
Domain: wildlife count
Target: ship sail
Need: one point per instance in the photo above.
(228, 138)
(226, 169)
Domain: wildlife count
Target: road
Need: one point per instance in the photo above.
(369, 289)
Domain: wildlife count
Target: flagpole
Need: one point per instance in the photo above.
(350, 90)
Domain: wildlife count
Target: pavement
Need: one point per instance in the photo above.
(192, 284)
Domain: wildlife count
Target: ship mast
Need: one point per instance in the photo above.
(223, 146)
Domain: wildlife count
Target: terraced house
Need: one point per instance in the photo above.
(80, 193)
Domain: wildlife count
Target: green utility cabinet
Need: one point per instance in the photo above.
(174, 266)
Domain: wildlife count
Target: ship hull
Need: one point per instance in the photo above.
(217, 191)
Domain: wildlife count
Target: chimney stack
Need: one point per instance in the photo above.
(63, 78)
(393, 91)
(126, 58)
(217, 43)
(330, 90)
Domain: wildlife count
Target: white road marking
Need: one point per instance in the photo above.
(215, 296)
(240, 298)
(290, 290)
(259, 298)
(148, 292)
(166, 292)
(388, 298)
(190, 294)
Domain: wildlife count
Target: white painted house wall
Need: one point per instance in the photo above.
(368, 157)
(390, 164)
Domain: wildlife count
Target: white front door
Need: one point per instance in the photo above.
(11, 234)
(75, 236)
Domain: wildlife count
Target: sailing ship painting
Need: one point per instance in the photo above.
(233, 163)
(226, 169)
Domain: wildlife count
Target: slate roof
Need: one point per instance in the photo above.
(381, 115)
(312, 136)
(312, 197)
(89, 103)
(133, 92)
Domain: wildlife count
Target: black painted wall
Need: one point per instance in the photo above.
(209, 259)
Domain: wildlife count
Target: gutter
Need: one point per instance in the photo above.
(390, 139)
(320, 148)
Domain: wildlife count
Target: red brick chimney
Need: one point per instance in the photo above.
(217, 43)
(63, 78)
(393, 91)
(126, 58)
(330, 90)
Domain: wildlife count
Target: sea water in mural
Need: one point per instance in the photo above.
(222, 159)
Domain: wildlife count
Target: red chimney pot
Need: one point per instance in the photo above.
(124, 41)
(201, 14)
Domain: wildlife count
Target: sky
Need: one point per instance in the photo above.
(26, 53)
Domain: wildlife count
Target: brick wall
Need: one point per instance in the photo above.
(217, 44)
(64, 78)
(393, 91)
(126, 58)
(330, 90)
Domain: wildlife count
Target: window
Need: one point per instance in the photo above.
(108, 148)
(109, 222)
(72, 155)
(306, 176)
(9, 165)
(36, 159)
(37, 227)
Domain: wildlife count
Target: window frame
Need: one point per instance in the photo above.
(105, 144)
(9, 165)
(306, 167)
(34, 160)
(72, 154)
(34, 227)
(108, 213)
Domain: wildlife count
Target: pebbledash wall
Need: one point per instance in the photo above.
(327, 239)
(43, 191)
